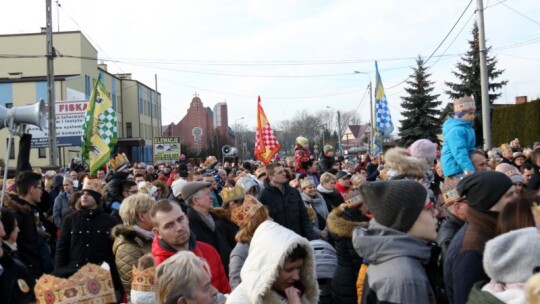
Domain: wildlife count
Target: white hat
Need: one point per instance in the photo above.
(177, 186)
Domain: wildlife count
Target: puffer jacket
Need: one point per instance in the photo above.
(270, 246)
(61, 209)
(341, 224)
(459, 140)
(129, 245)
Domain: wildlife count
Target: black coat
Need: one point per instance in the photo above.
(449, 228)
(85, 237)
(333, 198)
(222, 239)
(16, 282)
(341, 224)
(287, 209)
(534, 183)
(326, 163)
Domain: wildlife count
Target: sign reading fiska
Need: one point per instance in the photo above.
(166, 149)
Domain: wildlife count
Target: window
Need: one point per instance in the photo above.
(42, 153)
(141, 106)
(129, 130)
(12, 152)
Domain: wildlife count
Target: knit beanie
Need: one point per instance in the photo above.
(483, 189)
(395, 204)
(424, 148)
(302, 140)
(511, 257)
(463, 105)
(8, 220)
(328, 148)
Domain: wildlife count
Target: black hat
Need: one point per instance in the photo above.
(395, 204)
(342, 174)
(484, 189)
(8, 220)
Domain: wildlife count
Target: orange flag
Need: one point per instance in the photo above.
(266, 144)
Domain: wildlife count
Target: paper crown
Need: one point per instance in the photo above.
(307, 182)
(90, 285)
(92, 185)
(353, 198)
(119, 162)
(463, 104)
(143, 280)
(450, 193)
(242, 215)
(231, 194)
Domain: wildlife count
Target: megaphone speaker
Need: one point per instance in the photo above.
(31, 115)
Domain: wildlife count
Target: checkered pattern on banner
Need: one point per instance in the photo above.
(383, 118)
(107, 125)
(268, 137)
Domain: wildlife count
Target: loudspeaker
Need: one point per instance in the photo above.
(229, 151)
(31, 115)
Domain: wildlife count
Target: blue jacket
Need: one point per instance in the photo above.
(459, 140)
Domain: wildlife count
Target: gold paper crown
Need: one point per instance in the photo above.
(308, 181)
(90, 285)
(92, 185)
(449, 192)
(143, 280)
(241, 215)
(118, 161)
(231, 194)
(353, 198)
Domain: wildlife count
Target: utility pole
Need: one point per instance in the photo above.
(370, 117)
(339, 131)
(486, 119)
(53, 150)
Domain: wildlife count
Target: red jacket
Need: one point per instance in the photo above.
(204, 251)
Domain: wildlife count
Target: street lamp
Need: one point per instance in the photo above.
(236, 128)
(370, 109)
(339, 126)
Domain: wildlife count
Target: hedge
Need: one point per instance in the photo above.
(518, 121)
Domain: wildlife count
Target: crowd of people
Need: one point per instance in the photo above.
(415, 225)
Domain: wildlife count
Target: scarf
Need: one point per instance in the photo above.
(148, 235)
(318, 203)
(322, 189)
(208, 220)
(482, 228)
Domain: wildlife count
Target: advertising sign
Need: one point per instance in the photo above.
(166, 149)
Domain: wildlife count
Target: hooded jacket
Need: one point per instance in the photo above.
(341, 224)
(395, 273)
(268, 250)
(129, 245)
(162, 251)
(459, 139)
(61, 208)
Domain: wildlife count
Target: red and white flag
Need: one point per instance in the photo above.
(266, 143)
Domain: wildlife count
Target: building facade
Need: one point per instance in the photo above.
(23, 81)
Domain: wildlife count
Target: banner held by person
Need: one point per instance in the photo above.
(266, 143)
(383, 119)
(100, 132)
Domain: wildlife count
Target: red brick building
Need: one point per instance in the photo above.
(201, 128)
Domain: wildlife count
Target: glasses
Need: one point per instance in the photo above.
(431, 208)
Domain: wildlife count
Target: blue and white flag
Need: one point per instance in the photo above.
(382, 118)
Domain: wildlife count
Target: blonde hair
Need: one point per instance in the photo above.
(133, 206)
(245, 234)
(532, 289)
(179, 276)
(328, 177)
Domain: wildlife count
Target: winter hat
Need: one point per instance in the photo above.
(302, 140)
(177, 186)
(399, 164)
(483, 189)
(342, 174)
(325, 259)
(93, 187)
(8, 220)
(395, 204)
(328, 148)
(511, 172)
(191, 188)
(511, 257)
(463, 105)
(424, 148)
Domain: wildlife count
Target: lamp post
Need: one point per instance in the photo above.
(236, 128)
(370, 109)
(339, 126)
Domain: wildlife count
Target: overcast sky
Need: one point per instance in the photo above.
(297, 55)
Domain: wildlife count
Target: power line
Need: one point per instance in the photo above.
(520, 13)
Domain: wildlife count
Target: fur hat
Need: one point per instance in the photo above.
(483, 189)
(395, 204)
(242, 214)
(177, 186)
(424, 148)
(463, 105)
(511, 257)
(93, 186)
(511, 171)
(399, 163)
(328, 148)
(302, 140)
(191, 188)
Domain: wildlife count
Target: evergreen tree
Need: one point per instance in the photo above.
(468, 74)
(420, 108)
